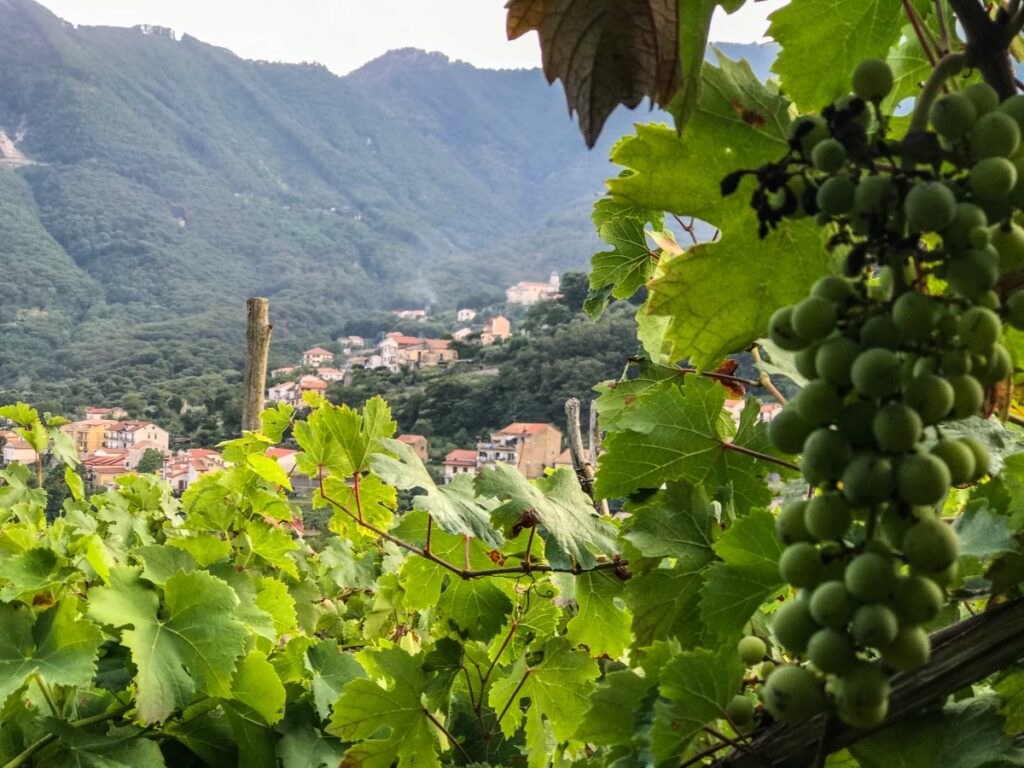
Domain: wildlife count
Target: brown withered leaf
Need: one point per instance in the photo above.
(605, 52)
(735, 389)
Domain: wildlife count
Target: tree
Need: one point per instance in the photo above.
(574, 288)
(151, 461)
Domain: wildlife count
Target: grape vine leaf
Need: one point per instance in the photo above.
(721, 294)
(559, 687)
(629, 264)
(340, 439)
(58, 645)
(695, 686)
(601, 624)
(30, 572)
(302, 745)
(116, 747)
(666, 604)
(376, 504)
(331, 671)
(192, 643)
(572, 531)
(271, 545)
(268, 469)
(676, 433)
(983, 534)
(454, 507)
(615, 397)
(856, 30)
(386, 724)
(751, 540)
(963, 735)
(614, 708)
(605, 52)
(674, 522)
(257, 686)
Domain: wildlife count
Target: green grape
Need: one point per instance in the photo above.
(793, 626)
(780, 330)
(952, 116)
(956, 362)
(1014, 107)
(829, 155)
(828, 516)
(831, 605)
(992, 178)
(991, 301)
(958, 458)
(915, 315)
(833, 288)
(856, 106)
(869, 577)
(942, 578)
(818, 402)
(806, 131)
(922, 479)
(995, 135)
(979, 237)
(1015, 307)
(981, 456)
(968, 218)
(825, 457)
(788, 431)
(835, 196)
(979, 329)
(931, 396)
(930, 206)
(834, 358)
(999, 366)
(805, 361)
(931, 545)
(752, 650)
(893, 525)
(864, 717)
(876, 372)
(897, 428)
(792, 694)
(880, 331)
(874, 624)
(872, 80)
(917, 599)
(983, 96)
(739, 710)
(855, 423)
(873, 194)
(974, 273)
(800, 564)
(968, 396)
(831, 651)
(789, 525)
(1008, 240)
(868, 480)
(865, 685)
(814, 318)
(908, 650)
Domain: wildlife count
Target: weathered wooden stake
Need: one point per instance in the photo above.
(584, 469)
(257, 351)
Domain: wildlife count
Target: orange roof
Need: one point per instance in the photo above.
(277, 453)
(410, 439)
(525, 428)
(203, 453)
(461, 457)
(400, 339)
(318, 351)
(311, 382)
(18, 444)
(438, 343)
(327, 370)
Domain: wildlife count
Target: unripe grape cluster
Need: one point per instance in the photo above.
(898, 348)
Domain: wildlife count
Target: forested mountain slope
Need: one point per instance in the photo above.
(157, 182)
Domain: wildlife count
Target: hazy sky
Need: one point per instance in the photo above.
(344, 34)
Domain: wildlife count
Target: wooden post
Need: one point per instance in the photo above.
(257, 351)
(584, 468)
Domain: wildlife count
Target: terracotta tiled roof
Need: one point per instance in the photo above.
(410, 439)
(277, 453)
(524, 428)
(311, 382)
(461, 457)
(318, 351)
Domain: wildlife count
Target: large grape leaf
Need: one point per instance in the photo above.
(615, 397)
(849, 30)
(675, 522)
(559, 687)
(387, 724)
(302, 745)
(751, 540)
(115, 747)
(666, 604)
(340, 439)
(331, 670)
(601, 624)
(571, 529)
(454, 507)
(257, 686)
(192, 643)
(614, 708)
(58, 645)
(963, 735)
(630, 262)
(720, 295)
(695, 687)
(676, 433)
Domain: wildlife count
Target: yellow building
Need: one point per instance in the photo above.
(88, 434)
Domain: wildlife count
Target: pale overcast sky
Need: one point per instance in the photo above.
(344, 34)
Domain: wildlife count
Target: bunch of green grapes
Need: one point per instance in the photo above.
(907, 342)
